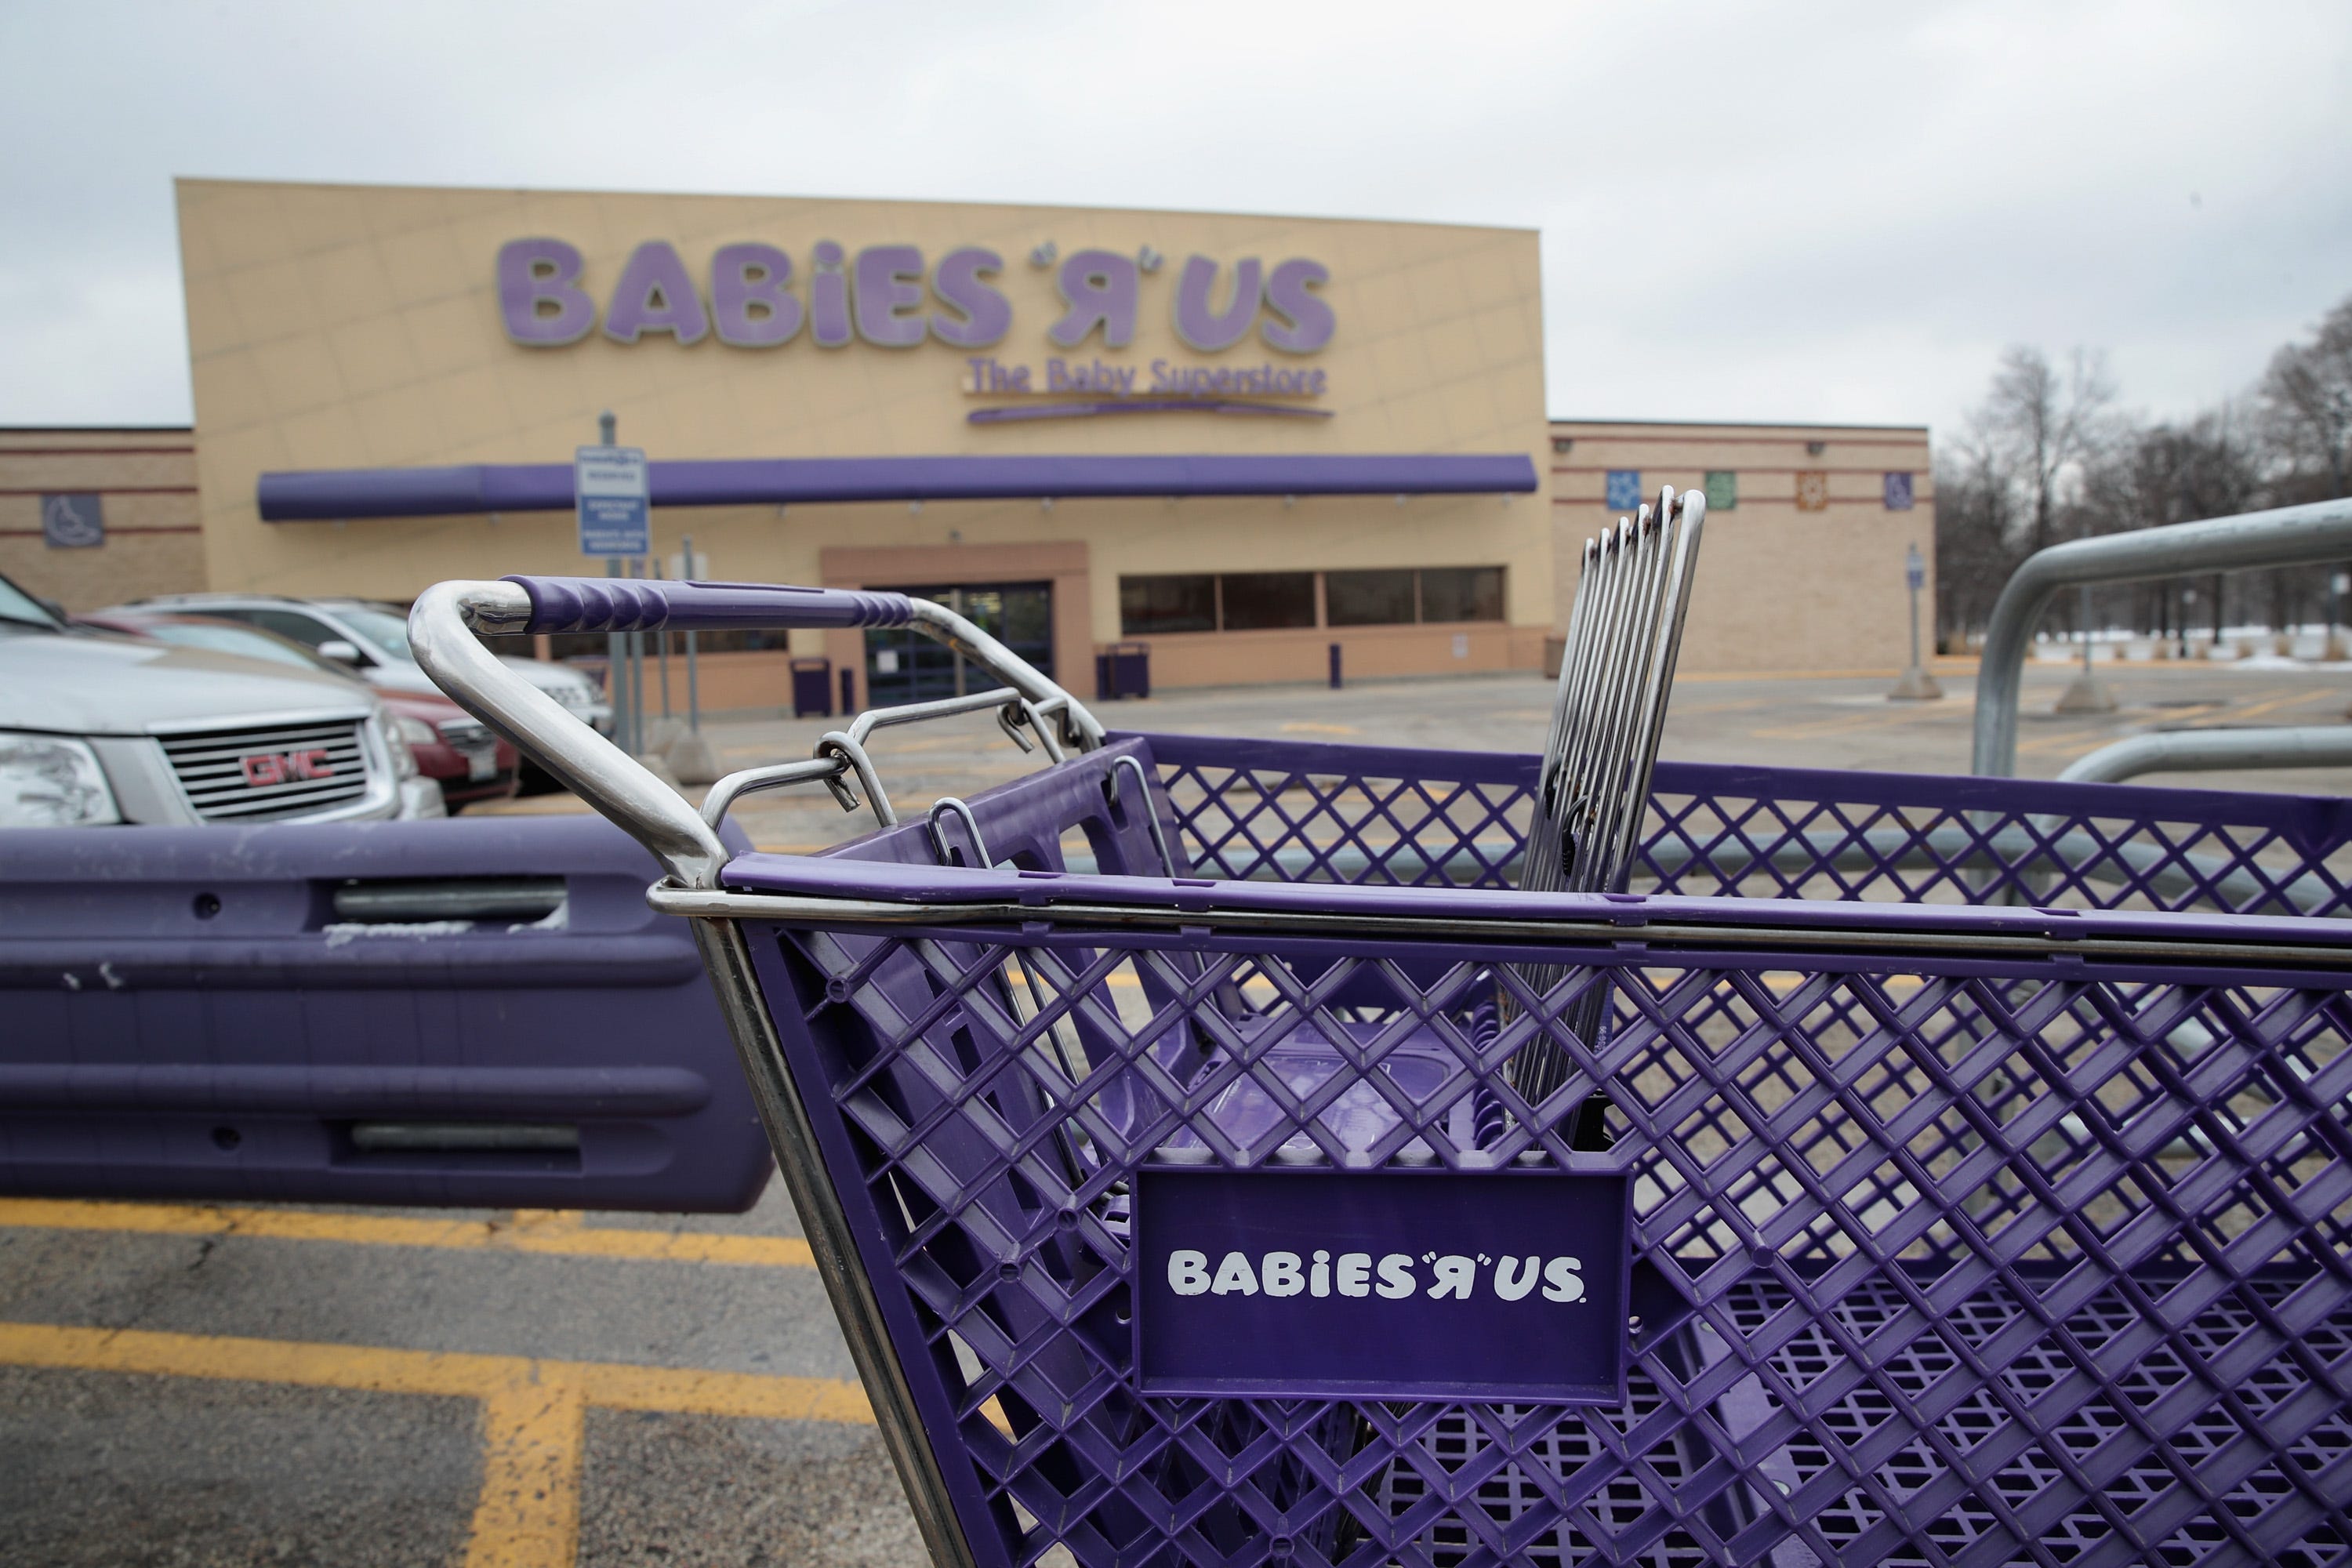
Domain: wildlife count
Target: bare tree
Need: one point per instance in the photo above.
(2307, 406)
(2012, 480)
(1977, 538)
(2042, 427)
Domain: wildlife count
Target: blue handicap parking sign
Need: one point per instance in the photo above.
(1899, 492)
(1624, 489)
(615, 519)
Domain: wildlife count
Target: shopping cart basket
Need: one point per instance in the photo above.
(1975, 1183)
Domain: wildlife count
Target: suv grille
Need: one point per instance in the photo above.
(277, 771)
(466, 735)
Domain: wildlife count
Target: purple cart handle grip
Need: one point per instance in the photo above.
(628, 605)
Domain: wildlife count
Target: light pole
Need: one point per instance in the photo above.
(691, 756)
(2086, 695)
(1915, 685)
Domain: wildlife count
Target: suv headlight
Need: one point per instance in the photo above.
(416, 731)
(395, 729)
(46, 781)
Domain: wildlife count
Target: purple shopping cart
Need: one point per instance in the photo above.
(1216, 1155)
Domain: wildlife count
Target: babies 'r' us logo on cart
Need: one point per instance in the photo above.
(1321, 1283)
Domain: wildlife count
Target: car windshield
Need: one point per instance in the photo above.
(15, 604)
(220, 636)
(383, 630)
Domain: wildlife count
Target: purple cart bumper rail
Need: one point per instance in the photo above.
(192, 1015)
(1974, 1217)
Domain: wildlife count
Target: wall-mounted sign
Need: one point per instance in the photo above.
(1899, 492)
(1722, 491)
(73, 522)
(751, 296)
(1813, 490)
(1624, 491)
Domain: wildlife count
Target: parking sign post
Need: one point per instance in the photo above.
(613, 504)
(1915, 685)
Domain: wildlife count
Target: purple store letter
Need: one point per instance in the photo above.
(890, 287)
(655, 295)
(982, 315)
(748, 302)
(534, 274)
(1310, 321)
(829, 297)
(1209, 331)
(1099, 286)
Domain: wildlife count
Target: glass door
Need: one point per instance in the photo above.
(904, 666)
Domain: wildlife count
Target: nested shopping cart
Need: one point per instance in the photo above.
(1227, 1151)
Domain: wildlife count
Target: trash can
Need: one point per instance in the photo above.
(1123, 669)
(812, 687)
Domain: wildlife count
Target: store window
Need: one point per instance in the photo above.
(1150, 605)
(1367, 598)
(1271, 601)
(1462, 593)
(1267, 600)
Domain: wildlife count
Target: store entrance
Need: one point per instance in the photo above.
(904, 666)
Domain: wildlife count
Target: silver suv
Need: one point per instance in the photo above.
(373, 638)
(96, 730)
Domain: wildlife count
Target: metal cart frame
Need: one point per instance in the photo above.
(1712, 986)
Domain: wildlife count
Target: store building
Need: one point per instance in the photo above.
(1802, 566)
(1235, 440)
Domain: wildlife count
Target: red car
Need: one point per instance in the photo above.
(452, 747)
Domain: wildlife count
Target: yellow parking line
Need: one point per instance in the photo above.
(528, 1513)
(545, 1232)
(533, 1411)
(1846, 724)
(2291, 699)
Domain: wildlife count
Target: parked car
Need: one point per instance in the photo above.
(96, 730)
(372, 638)
(451, 746)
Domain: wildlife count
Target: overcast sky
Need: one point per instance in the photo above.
(1802, 212)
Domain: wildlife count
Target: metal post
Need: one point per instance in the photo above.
(636, 650)
(616, 685)
(693, 693)
(848, 692)
(1915, 684)
(661, 653)
(617, 672)
(1335, 666)
(2086, 695)
(691, 760)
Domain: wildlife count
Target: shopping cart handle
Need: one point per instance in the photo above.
(625, 605)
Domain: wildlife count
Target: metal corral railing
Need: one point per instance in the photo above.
(2288, 536)
(2199, 751)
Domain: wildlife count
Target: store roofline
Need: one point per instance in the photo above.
(321, 495)
(1738, 425)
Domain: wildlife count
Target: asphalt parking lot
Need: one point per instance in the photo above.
(185, 1384)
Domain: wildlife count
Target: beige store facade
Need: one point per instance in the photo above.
(1237, 439)
(1809, 531)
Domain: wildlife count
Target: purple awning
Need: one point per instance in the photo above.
(316, 494)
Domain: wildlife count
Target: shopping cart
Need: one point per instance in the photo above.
(1971, 1180)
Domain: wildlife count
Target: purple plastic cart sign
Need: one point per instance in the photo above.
(1509, 1286)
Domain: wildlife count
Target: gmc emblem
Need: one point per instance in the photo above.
(265, 768)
